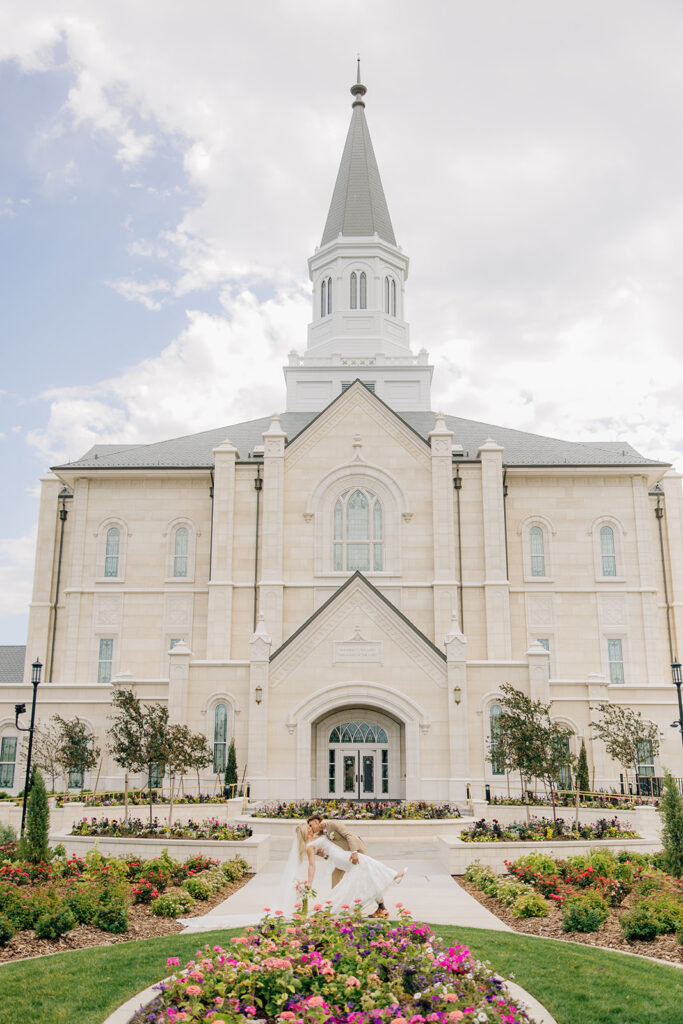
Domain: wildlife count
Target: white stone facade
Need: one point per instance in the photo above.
(228, 580)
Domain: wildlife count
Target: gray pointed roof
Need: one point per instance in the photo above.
(12, 658)
(359, 207)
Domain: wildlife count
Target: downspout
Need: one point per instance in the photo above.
(659, 513)
(457, 483)
(62, 519)
(505, 524)
(258, 484)
(211, 530)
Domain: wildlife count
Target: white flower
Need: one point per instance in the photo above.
(481, 1016)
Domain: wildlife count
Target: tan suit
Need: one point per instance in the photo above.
(338, 832)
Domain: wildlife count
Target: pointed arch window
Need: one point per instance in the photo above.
(112, 551)
(386, 294)
(323, 298)
(220, 737)
(363, 290)
(608, 554)
(393, 297)
(329, 295)
(353, 285)
(180, 552)
(358, 532)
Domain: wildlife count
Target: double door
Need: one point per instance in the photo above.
(358, 773)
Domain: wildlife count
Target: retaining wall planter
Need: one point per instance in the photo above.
(63, 818)
(644, 819)
(255, 850)
(456, 855)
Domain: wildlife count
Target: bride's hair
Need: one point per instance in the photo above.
(302, 838)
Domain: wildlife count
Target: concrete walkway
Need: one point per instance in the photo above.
(426, 891)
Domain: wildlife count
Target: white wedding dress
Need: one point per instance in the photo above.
(365, 881)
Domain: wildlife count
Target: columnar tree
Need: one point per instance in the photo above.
(582, 777)
(231, 769)
(626, 735)
(138, 736)
(528, 741)
(77, 749)
(34, 844)
(671, 810)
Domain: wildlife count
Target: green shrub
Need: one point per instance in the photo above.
(83, 903)
(55, 923)
(509, 892)
(603, 862)
(667, 910)
(671, 810)
(639, 860)
(679, 935)
(197, 888)
(235, 869)
(34, 844)
(639, 923)
(172, 904)
(112, 915)
(584, 912)
(6, 930)
(652, 881)
(479, 875)
(531, 904)
(531, 863)
(8, 833)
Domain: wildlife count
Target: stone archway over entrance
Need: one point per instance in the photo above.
(367, 704)
(358, 754)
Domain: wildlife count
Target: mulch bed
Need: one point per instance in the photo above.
(608, 936)
(143, 924)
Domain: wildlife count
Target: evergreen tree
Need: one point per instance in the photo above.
(582, 778)
(231, 769)
(671, 809)
(34, 845)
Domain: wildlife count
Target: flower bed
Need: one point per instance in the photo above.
(370, 809)
(135, 828)
(96, 895)
(541, 830)
(622, 900)
(136, 798)
(597, 801)
(345, 970)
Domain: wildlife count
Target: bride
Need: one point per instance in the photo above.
(365, 878)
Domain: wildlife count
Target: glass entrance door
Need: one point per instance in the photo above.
(357, 773)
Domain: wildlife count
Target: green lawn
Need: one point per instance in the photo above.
(578, 984)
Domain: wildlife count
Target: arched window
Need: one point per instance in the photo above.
(536, 552)
(358, 536)
(323, 298)
(8, 759)
(112, 550)
(363, 290)
(220, 737)
(495, 712)
(180, 551)
(353, 297)
(329, 295)
(386, 294)
(564, 778)
(608, 554)
(393, 297)
(358, 732)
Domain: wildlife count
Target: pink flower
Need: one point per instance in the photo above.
(358, 900)
(352, 982)
(250, 1010)
(267, 910)
(399, 1020)
(315, 1001)
(317, 906)
(456, 1015)
(278, 913)
(193, 990)
(173, 961)
(345, 906)
(450, 997)
(286, 1015)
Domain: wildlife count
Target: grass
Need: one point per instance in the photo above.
(578, 984)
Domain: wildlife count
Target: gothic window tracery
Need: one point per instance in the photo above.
(358, 532)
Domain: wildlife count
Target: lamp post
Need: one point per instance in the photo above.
(678, 682)
(19, 709)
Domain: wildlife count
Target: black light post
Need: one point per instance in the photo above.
(678, 682)
(19, 709)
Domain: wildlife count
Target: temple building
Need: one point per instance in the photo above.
(345, 585)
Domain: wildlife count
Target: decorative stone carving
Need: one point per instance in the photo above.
(612, 609)
(178, 610)
(357, 649)
(108, 609)
(540, 610)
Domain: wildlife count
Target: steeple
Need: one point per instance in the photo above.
(358, 274)
(359, 206)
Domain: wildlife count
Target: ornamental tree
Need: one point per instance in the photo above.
(582, 777)
(231, 769)
(626, 735)
(77, 749)
(138, 737)
(199, 754)
(46, 750)
(528, 741)
(34, 845)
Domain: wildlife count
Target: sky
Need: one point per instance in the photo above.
(166, 170)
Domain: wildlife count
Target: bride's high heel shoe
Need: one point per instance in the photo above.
(400, 876)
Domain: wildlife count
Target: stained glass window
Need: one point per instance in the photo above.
(8, 756)
(182, 536)
(494, 726)
(615, 658)
(536, 551)
(106, 656)
(607, 551)
(111, 554)
(220, 737)
(358, 532)
(358, 732)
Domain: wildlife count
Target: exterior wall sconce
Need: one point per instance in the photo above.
(457, 694)
(258, 694)
(678, 682)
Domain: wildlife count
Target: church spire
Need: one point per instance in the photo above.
(359, 207)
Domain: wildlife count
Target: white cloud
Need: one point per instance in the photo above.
(143, 292)
(16, 573)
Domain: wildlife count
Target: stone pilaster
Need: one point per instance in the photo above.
(74, 583)
(596, 686)
(445, 586)
(179, 683)
(496, 584)
(648, 598)
(457, 711)
(40, 614)
(539, 677)
(673, 527)
(271, 583)
(260, 647)
(219, 624)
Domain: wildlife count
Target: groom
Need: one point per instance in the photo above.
(338, 832)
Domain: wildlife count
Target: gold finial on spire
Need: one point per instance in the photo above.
(358, 90)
